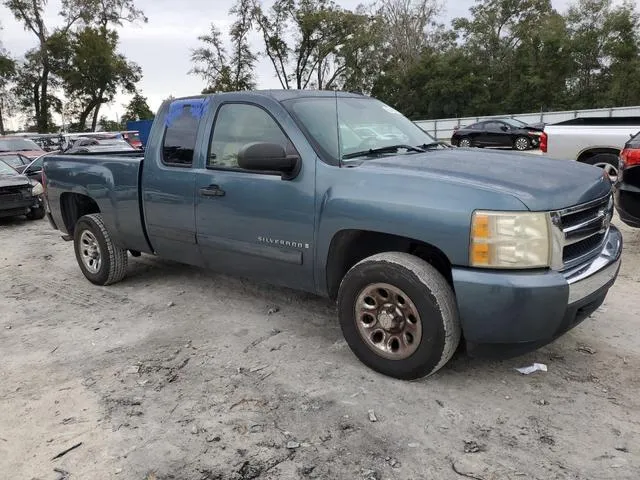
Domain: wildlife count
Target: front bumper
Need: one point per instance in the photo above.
(509, 313)
(20, 207)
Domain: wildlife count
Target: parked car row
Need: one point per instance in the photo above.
(34, 145)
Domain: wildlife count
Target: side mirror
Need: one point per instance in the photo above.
(504, 128)
(268, 157)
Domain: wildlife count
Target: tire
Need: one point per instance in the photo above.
(606, 161)
(91, 236)
(434, 330)
(522, 144)
(36, 213)
(464, 143)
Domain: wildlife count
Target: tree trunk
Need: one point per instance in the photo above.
(95, 116)
(1, 119)
(82, 120)
(36, 101)
(43, 115)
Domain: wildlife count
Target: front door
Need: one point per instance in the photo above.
(255, 224)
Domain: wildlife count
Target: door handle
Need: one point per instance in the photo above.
(212, 191)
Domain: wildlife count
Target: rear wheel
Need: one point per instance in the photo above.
(607, 161)
(522, 143)
(399, 316)
(100, 260)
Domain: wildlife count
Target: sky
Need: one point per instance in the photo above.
(162, 47)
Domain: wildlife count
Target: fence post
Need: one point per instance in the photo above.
(435, 129)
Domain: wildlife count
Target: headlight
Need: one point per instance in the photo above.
(36, 188)
(510, 240)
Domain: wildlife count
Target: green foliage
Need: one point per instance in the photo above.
(94, 72)
(46, 68)
(107, 125)
(137, 109)
(522, 55)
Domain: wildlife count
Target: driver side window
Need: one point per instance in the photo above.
(237, 125)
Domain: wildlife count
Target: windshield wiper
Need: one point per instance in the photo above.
(376, 151)
(427, 146)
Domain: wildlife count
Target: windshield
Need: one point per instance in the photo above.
(6, 169)
(365, 124)
(17, 145)
(514, 123)
(13, 160)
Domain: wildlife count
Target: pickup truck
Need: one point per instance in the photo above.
(420, 244)
(595, 141)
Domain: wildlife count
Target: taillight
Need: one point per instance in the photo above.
(544, 139)
(629, 157)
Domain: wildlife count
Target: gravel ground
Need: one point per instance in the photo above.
(179, 373)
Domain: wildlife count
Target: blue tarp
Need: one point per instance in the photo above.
(142, 126)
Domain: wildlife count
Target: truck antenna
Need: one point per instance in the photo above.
(335, 94)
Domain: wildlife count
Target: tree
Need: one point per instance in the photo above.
(137, 109)
(212, 64)
(7, 72)
(327, 46)
(31, 14)
(96, 72)
(409, 27)
(605, 54)
(107, 125)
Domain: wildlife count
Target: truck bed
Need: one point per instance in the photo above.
(99, 182)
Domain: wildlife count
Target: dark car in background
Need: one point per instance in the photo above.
(504, 132)
(627, 187)
(15, 160)
(23, 146)
(19, 195)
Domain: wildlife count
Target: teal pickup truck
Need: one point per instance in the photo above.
(421, 245)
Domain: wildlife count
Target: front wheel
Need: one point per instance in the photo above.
(464, 143)
(100, 260)
(36, 213)
(399, 316)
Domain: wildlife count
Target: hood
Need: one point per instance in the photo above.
(13, 180)
(540, 183)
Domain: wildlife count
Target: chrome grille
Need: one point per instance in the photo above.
(584, 230)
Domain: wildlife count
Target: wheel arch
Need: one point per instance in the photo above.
(593, 151)
(348, 247)
(73, 206)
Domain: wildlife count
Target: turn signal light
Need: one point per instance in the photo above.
(630, 157)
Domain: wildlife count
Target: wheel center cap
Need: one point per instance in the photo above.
(388, 318)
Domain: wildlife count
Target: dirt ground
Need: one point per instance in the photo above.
(179, 373)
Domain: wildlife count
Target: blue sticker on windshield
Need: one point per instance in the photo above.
(194, 107)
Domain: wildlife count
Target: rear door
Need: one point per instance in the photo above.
(169, 180)
(256, 224)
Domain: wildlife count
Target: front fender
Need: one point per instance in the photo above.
(436, 213)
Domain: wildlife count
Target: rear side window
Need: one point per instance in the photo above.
(635, 141)
(181, 131)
